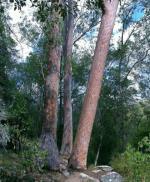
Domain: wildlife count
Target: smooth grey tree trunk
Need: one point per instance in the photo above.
(67, 140)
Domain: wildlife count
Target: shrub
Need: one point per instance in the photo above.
(134, 164)
(33, 158)
(15, 167)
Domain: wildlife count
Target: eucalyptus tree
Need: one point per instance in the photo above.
(51, 15)
(80, 150)
(7, 57)
(67, 140)
(75, 28)
(126, 67)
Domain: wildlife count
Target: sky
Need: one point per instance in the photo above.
(24, 50)
(138, 13)
(17, 17)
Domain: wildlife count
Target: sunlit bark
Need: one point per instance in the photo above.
(79, 155)
(51, 90)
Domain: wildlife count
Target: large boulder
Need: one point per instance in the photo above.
(80, 177)
(111, 177)
(87, 178)
(105, 168)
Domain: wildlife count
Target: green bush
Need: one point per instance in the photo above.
(22, 121)
(33, 158)
(16, 166)
(11, 169)
(134, 164)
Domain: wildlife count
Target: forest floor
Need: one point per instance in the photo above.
(74, 176)
(13, 169)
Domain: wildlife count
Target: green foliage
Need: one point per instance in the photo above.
(18, 167)
(120, 117)
(43, 8)
(33, 158)
(133, 164)
(7, 174)
(6, 61)
(95, 4)
(20, 120)
(23, 120)
(10, 167)
(141, 122)
(81, 69)
(144, 144)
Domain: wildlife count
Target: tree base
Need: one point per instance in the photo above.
(75, 164)
(48, 144)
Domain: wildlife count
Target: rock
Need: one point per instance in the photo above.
(111, 177)
(66, 173)
(97, 171)
(63, 163)
(62, 167)
(86, 178)
(105, 168)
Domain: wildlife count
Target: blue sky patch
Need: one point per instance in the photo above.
(138, 13)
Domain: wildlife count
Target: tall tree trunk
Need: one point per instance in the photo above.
(61, 95)
(52, 78)
(79, 155)
(67, 132)
(51, 90)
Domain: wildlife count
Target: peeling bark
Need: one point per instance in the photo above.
(53, 74)
(48, 144)
(49, 130)
(78, 158)
(67, 132)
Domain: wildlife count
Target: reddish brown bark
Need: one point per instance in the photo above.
(67, 132)
(48, 136)
(52, 78)
(79, 155)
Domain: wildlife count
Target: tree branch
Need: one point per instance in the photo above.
(87, 30)
(137, 62)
